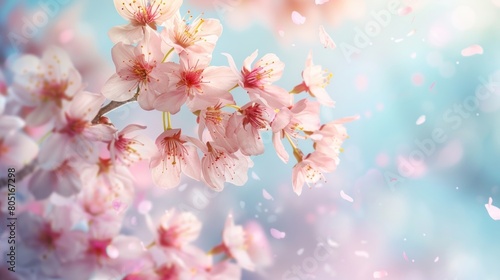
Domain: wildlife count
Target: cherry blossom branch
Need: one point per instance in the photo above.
(110, 107)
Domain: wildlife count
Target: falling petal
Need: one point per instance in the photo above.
(144, 207)
(380, 274)
(399, 40)
(346, 197)
(277, 234)
(300, 251)
(325, 39)
(266, 195)
(493, 211)
(297, 18)
(420, 120)
(411, 33)
(405, 256)
(321, 2)
(436, 259)
(405, 11)
(472, 50)
(255, 176)
(432, 85)
(332, 243)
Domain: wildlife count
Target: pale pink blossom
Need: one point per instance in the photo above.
(143, 15)
(303, 117)
(16, 148)
(74, 133)
(245, 126)
(258, 246)
(195, 82)
(64, 180)
(139, 70)
(329, 137)
(45, 84)
(234, 244)
(315, 79)
(174, 157)
(216, 122)
(198, 36)
(220, 166)
(310, 170)
(177, 229)
(129, 146)
(258, 80)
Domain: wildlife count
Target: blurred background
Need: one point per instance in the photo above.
(420, 163)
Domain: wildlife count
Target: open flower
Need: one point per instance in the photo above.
(310, 170)
(174, 157)
(257, 80)
(198, 36)
(74, 134)
(45, 84)
(195, 82)
(128, 146)
(329, 137)
(216, 122)
(246, 124)
(315, 81)
(303, 117)
(142, 15)
(138, 71)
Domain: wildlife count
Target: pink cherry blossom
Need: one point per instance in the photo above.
(45, 84)
(195, 82)
(177, 229)
(16, 148)
(198, 36)
(74, 133)
(143, 15)
(315, 81)
(258, 80)
(129, 147)
(220, 166)
(216, 122)
(329, 138)
(234, 244)
(310, 170)
(258, 245)
(65, 180)
(245, 126)
(174, 157)
(139, 70)
(302, 116)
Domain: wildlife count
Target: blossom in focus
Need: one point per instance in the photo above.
(74, 133)
(142, 16)
(310, 170)
(315, 81)
(197, 36)
(129, 146)
(220, 166)
(195, 82)
(174, 156)
(302, 116)
(258, 80)
(139, 70)
(246, 124)
(45, 84)
(216, 122)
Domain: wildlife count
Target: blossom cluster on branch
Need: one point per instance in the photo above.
(79, 170)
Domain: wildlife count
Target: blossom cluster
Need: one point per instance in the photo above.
(79, 169)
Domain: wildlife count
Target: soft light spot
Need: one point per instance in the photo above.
(266, 195)
(420, 120)
(346, 197)
(144, 207)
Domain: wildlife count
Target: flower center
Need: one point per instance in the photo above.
(173, 148)
(54, 91)
(74, 126)
(191, 79)
(255, 116)
(98, 247)
(187, 37)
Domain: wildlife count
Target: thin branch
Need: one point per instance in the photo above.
(20, 174)
(110, 107)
